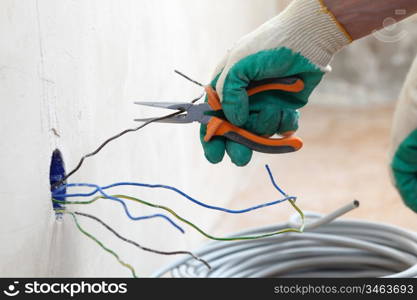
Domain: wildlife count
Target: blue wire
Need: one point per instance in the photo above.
(274, 183)
(100, 189)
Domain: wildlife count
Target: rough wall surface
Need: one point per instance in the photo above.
(69, 72)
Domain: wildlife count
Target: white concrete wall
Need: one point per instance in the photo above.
(76, 67)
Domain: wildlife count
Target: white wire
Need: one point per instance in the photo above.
(327, 248)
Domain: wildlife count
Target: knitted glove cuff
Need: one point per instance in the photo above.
(312, 29)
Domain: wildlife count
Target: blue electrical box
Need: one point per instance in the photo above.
(56, 174)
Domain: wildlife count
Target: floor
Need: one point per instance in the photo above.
(345, 157)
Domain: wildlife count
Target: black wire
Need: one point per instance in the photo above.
(56, 184)
(188, 78)
(139, 246)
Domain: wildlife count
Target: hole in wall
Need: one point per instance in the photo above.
(56, 173)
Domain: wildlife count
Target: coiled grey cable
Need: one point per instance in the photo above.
(327, 248)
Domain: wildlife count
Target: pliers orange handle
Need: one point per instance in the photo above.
(220, 127)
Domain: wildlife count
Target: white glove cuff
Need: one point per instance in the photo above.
(312, 30)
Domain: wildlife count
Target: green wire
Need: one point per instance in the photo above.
(195, 226)
(98, 242)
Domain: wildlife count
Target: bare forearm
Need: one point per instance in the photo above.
(361, 17)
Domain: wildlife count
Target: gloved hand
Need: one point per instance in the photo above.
(404, 142)
(300, 41)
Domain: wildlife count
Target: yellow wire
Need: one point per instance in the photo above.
(98, 242)
(172, 212)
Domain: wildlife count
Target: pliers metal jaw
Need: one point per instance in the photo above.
(217, 126)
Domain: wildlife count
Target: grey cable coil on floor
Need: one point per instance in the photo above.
(327, 248)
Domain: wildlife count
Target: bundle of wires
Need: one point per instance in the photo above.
(341, 248)
(120, 199)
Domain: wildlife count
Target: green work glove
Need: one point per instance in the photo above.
(301, 41)
(266, 117)
(404, 142)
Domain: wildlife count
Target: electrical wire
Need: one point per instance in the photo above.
(117, 198)
(188, 78)
(274, 183)
(176, 190)
(125, 208)
(81, 161)
(237, 238)
(201, 231)
(231, 211)
(136, 244)
(327, 248)
(89, 235)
